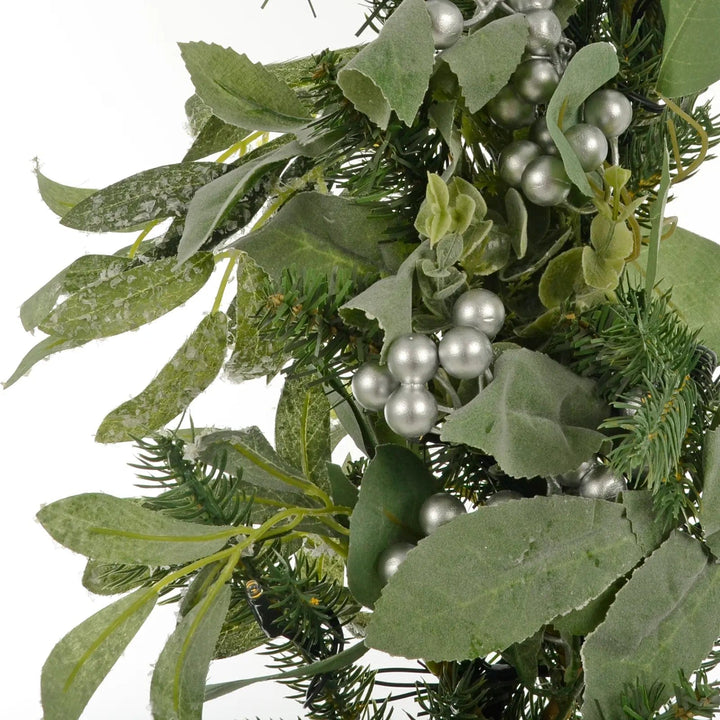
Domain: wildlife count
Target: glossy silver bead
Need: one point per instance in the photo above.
(465, 352)
(502, 496)
(571, 480)
(509, 110)
(524, 6)
(514, 158)
(439, 509)
(545, 32)
(545, 181)
(589, 144)
(372, 385)
(609, 110)
(540, 135)
(601, 482)
(479, 309)
(392, 558)
(535, 80)
(634, 403)
(412, 359)
(411, 411)
(447, 22)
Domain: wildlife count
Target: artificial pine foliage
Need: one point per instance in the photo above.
(452, 242)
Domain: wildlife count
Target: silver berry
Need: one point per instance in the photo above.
(633, 402)
(412, 359)
(447, 22)
(524, 6)
(545, 181)
(411, 411)
(573, 478)
(502, 496)
(540, 135)
(479, 309)
(439, 509)
(372, 385)
(545, 32)
(465, 352)
(535, 80)
(509, 110)
(515, 158)
(601, 482)
(609, 110)
(589, 144)
(392, 558)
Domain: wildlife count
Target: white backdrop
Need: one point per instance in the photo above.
(96, 90)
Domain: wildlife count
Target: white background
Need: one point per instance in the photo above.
(96, 90)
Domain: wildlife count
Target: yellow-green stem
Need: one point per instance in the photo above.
(146, 231)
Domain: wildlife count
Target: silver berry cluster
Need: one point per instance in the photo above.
(592, 479)
(465, 352)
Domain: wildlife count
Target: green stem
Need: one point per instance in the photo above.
(224, 283)
(136, 245)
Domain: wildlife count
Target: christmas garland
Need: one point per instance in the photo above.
(452, 243)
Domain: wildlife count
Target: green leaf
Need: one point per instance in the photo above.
(135, 201)
(563, 278)
(239, 638)
(59, 198)
(45, 348)
(103, 578)
(241, 92)
(589, 70)
(253, 355)
(601, 272)
(517, 221)
(665, 619)
(535, 418)
(302, 428)
(495, 576)
(710, 505)
(690, 61)
(392, 72)
(128, 300)
(640, 511)
(689, 265)
(107, 528)
(177, 691)
(81, 660)
(657, 217)
(488, 249)
(323, 232)
(564, 9)
(190, 371)
(343, 492)
(523, 656)
(497, 48)
(584, 620)
(395, 485)
(214, 136)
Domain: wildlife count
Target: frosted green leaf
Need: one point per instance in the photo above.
(647, 526)
(599, 271)
(535, 418)
(190, 371)
(442, 117)
(324, 232)
(45, 348)
(107, 528)
(214, 136)
(689, 265)
(135, 201)
(562, 278)
(392, 72)
(241, 92)
(665, 619)
(81, 660)
(495, 576)
(690, 61)
(589, 70)
(128, 300)
(497, 48)
(710, 505)
(177, 691)
(302, 428)
(103, 578)
(239, 638)
(657, 219)
(584, 620)
(253, 355)
(564, 9)
(395, 485)
(58, 197)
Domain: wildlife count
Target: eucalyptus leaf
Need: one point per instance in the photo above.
(190, 371)
(128, 300)
(111, 529)
(241, 92)
(58, 197)
(710, 505)
(521, 564)
(394, 486)
(45, 348)
(665, 619)
(81, 660)
(591, 67)
(563, 278)
(690, 61)
(601, 272)
(497, 48)
(372, 80)
(535, 418)
(135, 201)
(177, 691)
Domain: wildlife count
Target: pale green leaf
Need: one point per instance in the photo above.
(589, 70)
(495, 576)
(104, 578)
(394, 486)
(135, 201)
(563, 278)
(241, 92)
(611, 240)
(657, 219)
(81, 660)
(45, 348)
(647, 526)
(342, 491)
(211, 133)
(177, 691)
(442, 117)
(535, 418)
(392, 72)
(665, 619)
(564, 9)
(584, 620)
(497, 49)
(302, 428)
(690, 61)
(517, 221)
(601, 272)
(710, 505)
(190, 371)
(129, 299)
(59, 198)
(107, 528)
(239, 638)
